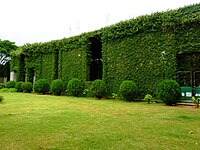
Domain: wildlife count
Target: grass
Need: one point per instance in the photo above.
(30, 121)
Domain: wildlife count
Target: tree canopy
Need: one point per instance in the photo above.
(6, 47)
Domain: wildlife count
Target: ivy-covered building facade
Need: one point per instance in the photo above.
(147, 50)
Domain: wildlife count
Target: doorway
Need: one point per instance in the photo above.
(188, 69)
(95, 67)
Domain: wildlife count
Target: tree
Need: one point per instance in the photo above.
(6, 47)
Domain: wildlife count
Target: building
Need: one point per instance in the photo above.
(146, 50)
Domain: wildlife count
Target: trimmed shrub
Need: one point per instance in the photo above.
(2, 86)
(75, 87)
(27, 87)
(41, 86)
(18, 86)
(98, 88)
(57, 87)
(168, 91)
(128, 90)
(10, 84)
(1, 98)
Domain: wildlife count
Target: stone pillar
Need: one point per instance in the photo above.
(13, 76)
(34, 79)
(5, 80)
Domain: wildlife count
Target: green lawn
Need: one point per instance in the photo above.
(30, 121)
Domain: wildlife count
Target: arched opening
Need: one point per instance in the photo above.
(31, 75)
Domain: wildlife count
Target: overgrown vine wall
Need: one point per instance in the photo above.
(145, 58)
(64, 59)
(143, 49)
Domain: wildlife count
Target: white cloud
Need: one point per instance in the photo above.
(28, 21)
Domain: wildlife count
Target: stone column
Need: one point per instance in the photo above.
(13, 76)
(5, 80)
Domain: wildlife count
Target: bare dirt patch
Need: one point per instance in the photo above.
(187, 106)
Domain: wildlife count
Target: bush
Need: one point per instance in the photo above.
(12, 90)
(196, 101)
(41, 86)
(57, 87)
(148, 98)
(128, 90)
(87, 91)
(2, 86)
(4, 90)
(98, 89)
(27, 87)
(10, 84)
(18, 86)
(168, 91)
(114, 95)
(75, 87)
(1, 98)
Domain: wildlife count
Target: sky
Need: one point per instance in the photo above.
(30, 21)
